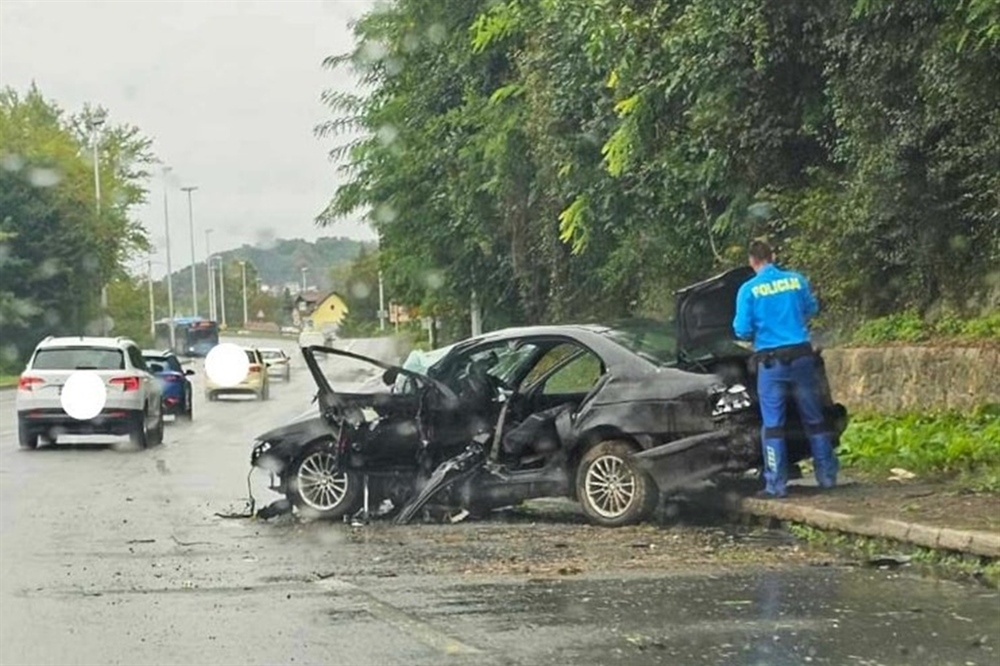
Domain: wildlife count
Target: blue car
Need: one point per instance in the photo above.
(177, 391)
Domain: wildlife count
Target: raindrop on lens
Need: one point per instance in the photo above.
(360, 290)
(387, 134)
(44, 177)
(436, 33)
(11, 162)
(434, 279)
(384, 213)
(411, 43)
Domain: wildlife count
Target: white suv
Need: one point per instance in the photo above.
(132, 407)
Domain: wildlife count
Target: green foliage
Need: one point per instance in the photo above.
(903, 327)
(924, 443)
(572, 158)
(57, 247)
(910, 327)
(358, 283)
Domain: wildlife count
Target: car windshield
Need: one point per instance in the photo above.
(79, 358)
(270, 353)
(202, 335)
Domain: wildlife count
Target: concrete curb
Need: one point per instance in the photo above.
(985, 544)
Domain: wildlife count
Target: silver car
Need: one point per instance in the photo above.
(279, 364)
(131, 407)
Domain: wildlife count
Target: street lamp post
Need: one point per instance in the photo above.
(152, 302)
(94, 122)
(222, 289)
(210, 276)
(305, 269)
(194, 277)
(243, 269)
(381, 302)
(170, 281)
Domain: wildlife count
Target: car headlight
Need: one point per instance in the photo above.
(734, 399)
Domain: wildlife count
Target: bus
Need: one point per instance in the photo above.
(194, 336)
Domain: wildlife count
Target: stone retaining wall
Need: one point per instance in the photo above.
(906, 379)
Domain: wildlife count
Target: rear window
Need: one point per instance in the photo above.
(653, 340)
(78, 358)
(168, 362)
(251, 356)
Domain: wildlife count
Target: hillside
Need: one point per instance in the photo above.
(281, 262)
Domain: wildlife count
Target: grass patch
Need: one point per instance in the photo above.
(949, 443)
(925, 561)
(8, 380)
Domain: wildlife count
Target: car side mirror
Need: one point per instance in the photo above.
(389, 376)
(189, 372)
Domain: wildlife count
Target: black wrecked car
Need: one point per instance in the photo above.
(613, 416)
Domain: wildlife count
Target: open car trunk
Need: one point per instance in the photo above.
(705, 311)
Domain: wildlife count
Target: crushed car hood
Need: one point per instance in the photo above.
(705, 311)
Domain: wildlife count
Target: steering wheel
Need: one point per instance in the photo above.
(424, 382)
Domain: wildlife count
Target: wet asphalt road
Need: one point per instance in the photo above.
(117, 557)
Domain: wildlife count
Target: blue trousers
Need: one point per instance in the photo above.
(777, 384)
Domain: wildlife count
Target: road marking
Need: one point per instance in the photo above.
(415, 627)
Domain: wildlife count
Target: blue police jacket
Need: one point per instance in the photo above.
(773, 309)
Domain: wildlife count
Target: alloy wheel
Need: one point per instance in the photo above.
(610, 486)
(320, 484)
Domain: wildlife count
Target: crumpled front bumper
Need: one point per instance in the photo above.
(268, 465)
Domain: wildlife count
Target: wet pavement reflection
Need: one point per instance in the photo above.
(773, 617)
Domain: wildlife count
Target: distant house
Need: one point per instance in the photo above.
(313, 310)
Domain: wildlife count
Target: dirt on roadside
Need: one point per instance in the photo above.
(932, 503)
(548, 540)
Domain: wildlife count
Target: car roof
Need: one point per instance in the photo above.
(271, 349)
(157, 352)
(85, 341)
(537, 331)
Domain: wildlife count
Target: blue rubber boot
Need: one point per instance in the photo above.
(775, 467)
(824, 460)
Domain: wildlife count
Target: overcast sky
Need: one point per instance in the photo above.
(228, 90)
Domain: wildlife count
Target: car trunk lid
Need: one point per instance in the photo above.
(705, 310)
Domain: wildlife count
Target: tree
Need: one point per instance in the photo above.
(53, 238)
(571, 159)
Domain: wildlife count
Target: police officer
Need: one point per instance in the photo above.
(773, 309)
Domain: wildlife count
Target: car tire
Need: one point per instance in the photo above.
(156, 435)
(611, 489)
(187, 413)
(304, 480)
(26, 438)
(138, 435)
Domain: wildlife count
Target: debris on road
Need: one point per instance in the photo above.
(900, 474)
(276, 508)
